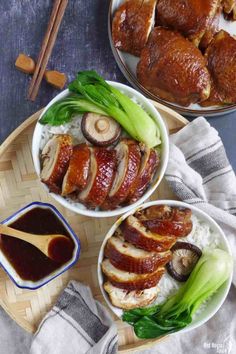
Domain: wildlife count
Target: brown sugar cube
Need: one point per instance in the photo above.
(25, 63)
(55, 78)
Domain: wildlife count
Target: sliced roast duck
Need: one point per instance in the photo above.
(55, 159)
(136, 255)
(98, 176)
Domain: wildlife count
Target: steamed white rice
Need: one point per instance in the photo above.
(203, 237)
(72, 128)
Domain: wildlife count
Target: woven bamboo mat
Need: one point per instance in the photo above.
(19, 186)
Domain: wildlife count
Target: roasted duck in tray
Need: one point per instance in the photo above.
(172, 68)
(132, 24)
(221, 63)
(169, 66)
(191, 18)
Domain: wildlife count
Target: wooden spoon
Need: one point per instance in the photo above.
(50, 245)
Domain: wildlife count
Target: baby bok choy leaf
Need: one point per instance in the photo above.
(211, 271)
(119, 106)
(91, 93)
(62, 111)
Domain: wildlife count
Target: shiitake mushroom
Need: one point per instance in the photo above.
(100, 130)
(185, 256)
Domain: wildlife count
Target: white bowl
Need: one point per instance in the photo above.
(10, 270)
(214, 303)
(80, 208)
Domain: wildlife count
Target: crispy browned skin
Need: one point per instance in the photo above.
(148, 263)
(189, 17)
(172, 68)
(60, 157)
(149, 162)
(105, 171)
(228, 5)
(164, 212)
(211, 30)
(142, 282)
(126, 174)
(146, 240)
(77, 173)
(221, 61)
(131, 25)
(173, 222)
(132, 281)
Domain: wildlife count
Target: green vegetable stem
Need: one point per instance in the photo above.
(91, 93)
(209, 274)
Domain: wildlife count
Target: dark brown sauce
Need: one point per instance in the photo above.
(27, 260)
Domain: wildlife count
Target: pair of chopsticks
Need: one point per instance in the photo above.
(56, 17)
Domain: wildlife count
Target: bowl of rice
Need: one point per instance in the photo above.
(206, 235)
(43, 133)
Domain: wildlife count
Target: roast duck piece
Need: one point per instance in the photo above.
(172, 68)
(132, 24)
(55, 159)
(221, 63)
(229, 8)
(98, 176)
(192, 18)
(136, 255)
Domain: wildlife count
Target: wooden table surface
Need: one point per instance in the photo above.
(82, 43)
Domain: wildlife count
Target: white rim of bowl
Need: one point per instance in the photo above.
(149, 192)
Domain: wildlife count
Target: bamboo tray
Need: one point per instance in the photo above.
(19, 186)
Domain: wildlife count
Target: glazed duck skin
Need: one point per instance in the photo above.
(77, 174)
(149, 163)
(131, 281)
(166, 221)
(172, 68)
(212, 29)
(132, 24)
(190, 17)
(123, 255)
(101, 176)
(128, 156)
(164, 212)
(55, 160)
(135, 233)
(221, 62)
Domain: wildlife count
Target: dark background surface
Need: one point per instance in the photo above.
(82, 43)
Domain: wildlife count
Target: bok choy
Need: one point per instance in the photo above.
(91, 93)
(211, 271)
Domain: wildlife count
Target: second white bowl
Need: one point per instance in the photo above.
(215, 302)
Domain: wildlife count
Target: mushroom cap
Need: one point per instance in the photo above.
(100, 130)
(185, 256)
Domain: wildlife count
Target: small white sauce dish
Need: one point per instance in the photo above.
(215, 302)
(80, 208)
(9, 269)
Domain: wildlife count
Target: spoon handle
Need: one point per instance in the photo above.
(9, 231)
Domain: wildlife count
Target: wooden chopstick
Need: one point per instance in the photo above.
(56, 17)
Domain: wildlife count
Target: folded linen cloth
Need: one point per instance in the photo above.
(199, 173)
(77, 324)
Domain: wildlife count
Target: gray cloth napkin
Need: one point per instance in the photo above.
(77, 324)
(199, 173)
